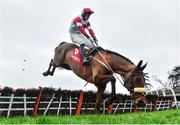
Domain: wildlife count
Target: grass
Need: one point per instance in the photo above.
(160, 117)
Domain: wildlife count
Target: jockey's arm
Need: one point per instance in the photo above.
(77, 22)
(82, 29)
(91, 32)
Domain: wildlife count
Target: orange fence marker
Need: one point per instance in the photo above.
(110, 107)
(79, 104)
(36, 106)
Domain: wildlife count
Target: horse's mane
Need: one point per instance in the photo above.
(117, 54)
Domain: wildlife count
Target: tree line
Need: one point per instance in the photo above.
(173, 79)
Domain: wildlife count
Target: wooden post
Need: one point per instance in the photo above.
(25, 106)
(79, 104)
(1, 89)
(110, 107)
(36, 106)
(50, 102)
(10, 105)
(59, 107)
(70, 105)
(11, 101)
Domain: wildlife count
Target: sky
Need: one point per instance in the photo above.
(138, 29)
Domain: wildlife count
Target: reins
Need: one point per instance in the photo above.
(107, 65)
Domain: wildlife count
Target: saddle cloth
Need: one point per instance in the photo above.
(77, 57)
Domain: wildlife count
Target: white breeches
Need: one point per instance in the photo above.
(80, 39)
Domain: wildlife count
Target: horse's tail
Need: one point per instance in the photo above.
(60, 45)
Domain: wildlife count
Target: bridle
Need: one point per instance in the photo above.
(129, 82)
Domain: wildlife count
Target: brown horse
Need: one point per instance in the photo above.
(100, 71)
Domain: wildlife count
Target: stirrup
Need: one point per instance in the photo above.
(85, 61)
(92, 50)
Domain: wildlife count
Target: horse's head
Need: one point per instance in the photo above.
(135, 83)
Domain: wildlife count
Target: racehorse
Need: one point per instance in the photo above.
(100, 70)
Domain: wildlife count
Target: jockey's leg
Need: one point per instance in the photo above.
(83, 53)
(89, 44)
(77, 38)
(82, 41)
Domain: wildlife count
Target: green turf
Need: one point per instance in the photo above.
(161, 117)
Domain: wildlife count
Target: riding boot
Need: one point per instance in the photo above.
(83, 53)
(93, 50)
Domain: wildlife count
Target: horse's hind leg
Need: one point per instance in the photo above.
(53, 70)
(49, 72)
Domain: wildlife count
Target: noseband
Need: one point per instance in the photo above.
(129, 82)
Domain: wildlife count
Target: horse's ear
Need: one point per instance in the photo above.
(143, 67)
(139, 64)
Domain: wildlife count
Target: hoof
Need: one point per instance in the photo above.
(51, 74)
(45, 73)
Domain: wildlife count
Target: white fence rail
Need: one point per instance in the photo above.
(127, 105)
(167, 92)
(11, 104)
(8, 104)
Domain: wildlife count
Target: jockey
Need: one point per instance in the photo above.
(79, 35)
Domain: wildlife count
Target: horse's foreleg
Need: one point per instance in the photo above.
(113, 87)
(112, 79)
(99, 96)
(101, 81)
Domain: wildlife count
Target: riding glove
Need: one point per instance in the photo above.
(95, 39)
